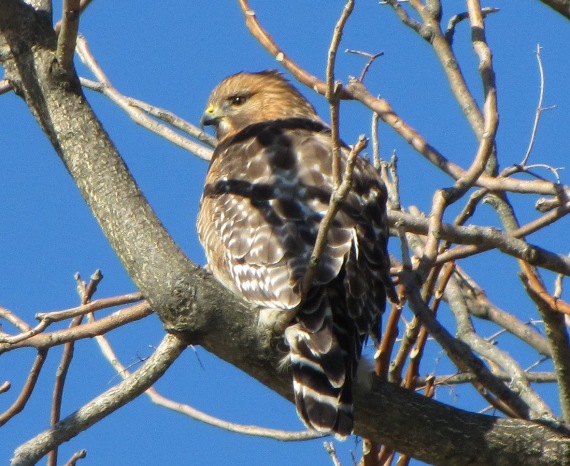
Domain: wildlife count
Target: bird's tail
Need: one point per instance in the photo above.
(322, 374)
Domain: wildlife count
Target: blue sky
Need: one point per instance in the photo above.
(171, 54)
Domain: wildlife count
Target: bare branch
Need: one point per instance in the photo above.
(105, 87)
(267, 41)
(175, 121)
(407, 19)
(115, 320)
(333, 91)
(68, 34)
(555, 331)
(76, 457)
(461, 355)
(86, 293)
(480, 307)
(389, 336)
(539, 108)
(466, 332)
(14, 320)
(47, 318)
(483, 239)
(456, 19)
(467, 377)
(485, 129)
(27, 389)
(357, 91)
(193, 413)
(103, 405)
(59, 385)
(376, 145)
(430, 30)
(93, 306)
(444, 274)
(387, 114)
(329, 447)
(337, 197)
(371, 58)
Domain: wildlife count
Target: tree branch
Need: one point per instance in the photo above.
(555, 331)
(27, 389)
(68, 34)
(98, 408)
(200, 416)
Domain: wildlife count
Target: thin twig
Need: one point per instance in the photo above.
(14, 320)
(337, 197)
(12, 340)
(469, 208)
(333, 88)
(539, 108)
(482, 239)
(85, 293)
(416, 354)
(93, 306)
(456, 19)
(487, 384)
(404, 16)
(468, 377)
(371, 57)
(265, 39)
(490, 111)
(47, 318)
(375, 143)
(138, 116)
(329, 447)
(78, 455)
(115, 320)
(103, 405)
(466, 332)
(481, 307)
(59, 385)
(175, 121)
(27, 389)
(555, 331)
(430, 30)
(358, 91)
(193, 413)
(389, 336)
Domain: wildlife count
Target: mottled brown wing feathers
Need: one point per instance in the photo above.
(266, 191)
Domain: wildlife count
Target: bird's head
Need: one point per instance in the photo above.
(244, 99)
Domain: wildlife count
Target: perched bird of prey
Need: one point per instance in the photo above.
(267, 189)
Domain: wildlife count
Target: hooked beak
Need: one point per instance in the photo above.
(209, 117)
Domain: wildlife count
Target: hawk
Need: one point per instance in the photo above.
(267, 189)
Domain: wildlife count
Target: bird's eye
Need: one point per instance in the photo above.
(237, 100)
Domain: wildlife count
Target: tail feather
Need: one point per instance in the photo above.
(322, 381)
